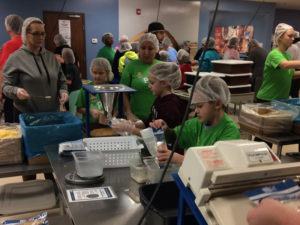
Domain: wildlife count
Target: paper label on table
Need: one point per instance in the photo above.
(90, 194)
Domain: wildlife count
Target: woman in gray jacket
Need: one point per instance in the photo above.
(33, 77)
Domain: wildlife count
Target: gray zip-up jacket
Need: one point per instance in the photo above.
(40, 75)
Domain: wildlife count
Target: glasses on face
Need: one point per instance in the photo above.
(38, 34)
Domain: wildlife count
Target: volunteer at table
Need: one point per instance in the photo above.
(33, 77)
(135, 75)
(279, 69)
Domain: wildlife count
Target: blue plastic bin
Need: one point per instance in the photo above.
(295, 102)
(48, 128)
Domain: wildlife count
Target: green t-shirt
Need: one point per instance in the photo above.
(108, 53)
(135, 75)
(95, 103)
(276, 81)
(195, 133)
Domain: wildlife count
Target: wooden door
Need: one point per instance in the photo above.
(51, 20)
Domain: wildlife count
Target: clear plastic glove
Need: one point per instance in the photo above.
(95, 113)
(163, 155)
(64, 97)
(122, 126)
(22, 94)
(159, 123)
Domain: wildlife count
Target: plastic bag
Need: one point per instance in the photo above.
(123, 126)
(42, 119)
(268, 118)
(40, 219)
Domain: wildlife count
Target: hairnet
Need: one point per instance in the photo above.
(211, 42)
(211, 89)
(253, 43)
(123, 38)
(185, 44)
(14, 23)
(279, 31)
(233, 42)
(59, 40)
(135, 47)
(124, 47)
(167, 71)
(150, 37)
(166, 42)
(26, 24)
(68, 56)
(102, 63)
(164, 56)
(105, 36)
(183, 56)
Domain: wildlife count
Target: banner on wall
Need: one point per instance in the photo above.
(64, 28)
(224, 34)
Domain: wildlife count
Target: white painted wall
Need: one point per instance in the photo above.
(180, 18)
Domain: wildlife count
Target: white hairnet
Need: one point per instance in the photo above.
(124, 47)
(123, 38)
(183, 56)
(59, 40)
(150, 37)
(166, 42)
(279, 31)
(164, 56)
(105, 36)
(211, 89)
(211, 42)
(102, 63)
(26, 24)
(167, 71)
(233, 42)
(14, 23)
(68, 56)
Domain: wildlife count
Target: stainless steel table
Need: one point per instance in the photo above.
(120, 211)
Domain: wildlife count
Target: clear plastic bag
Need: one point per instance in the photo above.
(267, 118)
(124, 126)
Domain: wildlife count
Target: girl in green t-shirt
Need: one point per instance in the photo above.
(100, 70)
(212, 124)
(279, 69)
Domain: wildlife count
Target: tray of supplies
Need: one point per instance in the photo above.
(118, 151)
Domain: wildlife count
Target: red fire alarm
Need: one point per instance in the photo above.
(138, 11)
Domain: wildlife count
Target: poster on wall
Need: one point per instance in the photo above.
(224, 34)
(64, 28)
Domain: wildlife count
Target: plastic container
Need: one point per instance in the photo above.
(48, 128)
(88, 164)
(118, 151)
(164, 209)
(138, 171)
(154, 173)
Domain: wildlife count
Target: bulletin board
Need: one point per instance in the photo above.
(224, 34)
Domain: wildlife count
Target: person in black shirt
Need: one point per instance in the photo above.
(72, 77)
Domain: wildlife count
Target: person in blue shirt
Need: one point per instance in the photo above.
(172, 53)
(210, 54)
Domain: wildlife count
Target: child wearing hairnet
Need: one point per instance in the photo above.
(183, 58)
(211, 124)
(100, 70)
(163, 79)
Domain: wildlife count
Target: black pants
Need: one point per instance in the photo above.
(9, 112)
